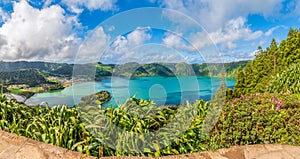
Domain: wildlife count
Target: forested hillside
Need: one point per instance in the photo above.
(45, 67)
(131, 69)
(265, 71)
(31, 77)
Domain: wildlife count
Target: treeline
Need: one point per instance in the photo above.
(177, 69)
(275, 69)
(45, 67)
(131, 69)
(31, 77)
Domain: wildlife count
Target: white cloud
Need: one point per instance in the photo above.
(271, 30)
(228, 45)
(138, 36)
(124, 44)
(226, 38)
(77, 6)
(4, 16)
(151, 52)
(175, 41)
(225, 21)
(33, 34)
(236, 55)
(134, 47)
(93, 47)
(254, 53)
(47, 3)
(214, 14)
(234, 30)
(111, 28)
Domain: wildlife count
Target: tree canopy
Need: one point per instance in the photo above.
(256, 76)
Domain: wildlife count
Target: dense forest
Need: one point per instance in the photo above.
(131, 69)
(51, 68)
(22, 77)
(27, 82)
(275, 69)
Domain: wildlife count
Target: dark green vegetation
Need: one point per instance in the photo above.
(63, 127)
(48, 68)
(26, 82)
(128, 69)
(277, 65)
(96, 99)
(22, 77)
(287, 81)
(264, 107)
(258, 119)
(59, 125)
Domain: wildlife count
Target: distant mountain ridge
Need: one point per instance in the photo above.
(131, 69)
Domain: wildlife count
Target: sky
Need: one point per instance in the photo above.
(144, 31)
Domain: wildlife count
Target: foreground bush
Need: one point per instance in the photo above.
(289, 80)
(62, 126)
(258, 119)
(93, 130)
(130, 126)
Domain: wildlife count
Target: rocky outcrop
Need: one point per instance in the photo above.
(17, 147)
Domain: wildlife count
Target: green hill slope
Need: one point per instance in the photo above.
(131, 69)
(22, 77)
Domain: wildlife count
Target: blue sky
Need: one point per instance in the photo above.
(120, 31)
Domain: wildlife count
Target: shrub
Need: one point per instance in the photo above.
(289, 80)
(90, 129)
(130, 125)
(59, 125)
(258, 119)
(64, 127)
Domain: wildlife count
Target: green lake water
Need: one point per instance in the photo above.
(162, 90)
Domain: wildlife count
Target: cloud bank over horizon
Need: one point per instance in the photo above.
(55, 31)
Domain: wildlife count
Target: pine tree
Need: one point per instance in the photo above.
(239, 86)
(273, 51)
(268, 63)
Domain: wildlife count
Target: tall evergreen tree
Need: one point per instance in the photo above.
(268, 63)
(239, 86)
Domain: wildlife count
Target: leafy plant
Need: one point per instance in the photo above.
(93, 130)
(289, 80)
(258, 119)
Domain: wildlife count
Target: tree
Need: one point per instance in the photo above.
(257, 74)
(239, 86)
(273, 51)
(259, 51)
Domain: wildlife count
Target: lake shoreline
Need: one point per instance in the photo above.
(162, 90)
(18, 98)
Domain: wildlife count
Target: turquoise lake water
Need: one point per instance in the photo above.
(162, 90)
